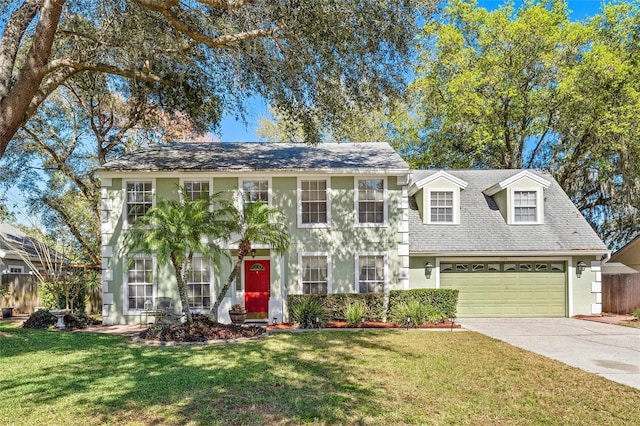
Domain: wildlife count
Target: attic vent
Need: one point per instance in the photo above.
(256, 267)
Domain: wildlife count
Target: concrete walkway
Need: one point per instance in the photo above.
(611, 351)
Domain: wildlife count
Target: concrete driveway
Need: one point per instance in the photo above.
(611, 351)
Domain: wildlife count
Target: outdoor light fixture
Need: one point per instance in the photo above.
(428, 267)
(147, 305)
(580, 267)
(253, 253)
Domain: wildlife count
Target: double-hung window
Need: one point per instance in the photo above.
(314, 206)
(255, 190)
(371, 273)
(199, 284)
(139, 199)
(197, 189)
(525, 209)
(441, 207)
(315, 274)
(370, 206)
(139, 282)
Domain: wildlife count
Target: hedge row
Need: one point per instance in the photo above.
(444, 300)
(335, 303)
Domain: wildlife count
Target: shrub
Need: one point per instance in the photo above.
(308, 313)
(417, 313)
(355, 312)
(335, 304)
(442, 300)
(636, 313)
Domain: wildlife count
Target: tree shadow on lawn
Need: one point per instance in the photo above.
(105, 379)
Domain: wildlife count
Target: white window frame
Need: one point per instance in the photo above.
(209, 263)
(455, 208)
(385, 202)
(512, 209)
(385, 285)
(301, 272)
(299, 202)
(184, 181)
(125, 204)
(19, 267)
(125, 282)
(251, 178)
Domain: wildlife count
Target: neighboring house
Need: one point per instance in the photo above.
(629, 254)
(18, 251)
(360, 221)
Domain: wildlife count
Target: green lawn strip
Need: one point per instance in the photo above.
(367, 377)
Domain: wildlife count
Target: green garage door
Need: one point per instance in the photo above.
(527, 289)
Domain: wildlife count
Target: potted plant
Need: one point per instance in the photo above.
(238, 314)
(7, 312)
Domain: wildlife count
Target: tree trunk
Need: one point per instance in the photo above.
(182, 289)
(15, 103)
(235, 274)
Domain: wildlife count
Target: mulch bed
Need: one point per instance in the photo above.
(367, 324)
(203, 329)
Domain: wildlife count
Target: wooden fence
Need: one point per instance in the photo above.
(24, 299)
(620, 293)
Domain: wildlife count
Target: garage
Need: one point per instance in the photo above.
(507, 289)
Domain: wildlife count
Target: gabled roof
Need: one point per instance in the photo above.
(524, 174)
(13, 240)
(483, 230)
(418, 184)
(365, 157)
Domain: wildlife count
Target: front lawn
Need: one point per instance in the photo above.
(329, 377)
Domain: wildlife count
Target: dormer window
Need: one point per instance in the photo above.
(525, 206)
(441, 206)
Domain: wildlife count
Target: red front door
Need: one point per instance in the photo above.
(256, 287)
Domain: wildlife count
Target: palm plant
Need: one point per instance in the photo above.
(175, 230)
(259, 223)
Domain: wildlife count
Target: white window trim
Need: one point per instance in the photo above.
(209, 261)
(20, 267)
(299, 202)
(125, 282)
(125, 182)
(300, 272)
(184, 180)
(386, 269)
(249, 178)
(385, 200)
(456, 208)
(512, 205)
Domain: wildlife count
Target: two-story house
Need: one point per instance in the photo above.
(348, 211)
(359, 221)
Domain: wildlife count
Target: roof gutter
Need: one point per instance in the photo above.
(605, 253)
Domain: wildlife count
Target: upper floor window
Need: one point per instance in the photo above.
(139, 199)
(441, 207)
(255, 190)
(525, 208)
(197, 189)
(370, 203)
(16, 269)
(315, 274)
(371, 273)
(314, 206)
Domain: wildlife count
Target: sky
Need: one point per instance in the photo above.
(233, 130)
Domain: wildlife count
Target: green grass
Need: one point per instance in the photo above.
(366, 377)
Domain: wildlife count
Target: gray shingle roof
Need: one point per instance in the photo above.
(369, 156)
(482, 228)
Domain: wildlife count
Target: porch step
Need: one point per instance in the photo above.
(256, 321)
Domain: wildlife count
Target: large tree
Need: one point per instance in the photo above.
(206, 57)
(526, 87)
